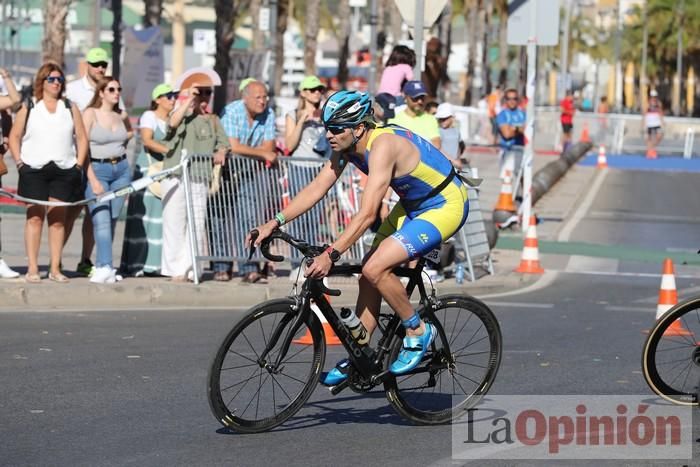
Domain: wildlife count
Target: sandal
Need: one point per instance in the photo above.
(58, 278)
(32, 277)
(254, 278)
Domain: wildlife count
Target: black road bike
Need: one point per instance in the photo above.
(262, 375)
(671, 354)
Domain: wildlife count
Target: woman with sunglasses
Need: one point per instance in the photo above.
(305, 137)
(109, 131)
(49, 145)
(143, 235)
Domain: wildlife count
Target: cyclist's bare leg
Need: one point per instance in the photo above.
(369, 302)
(377, 272)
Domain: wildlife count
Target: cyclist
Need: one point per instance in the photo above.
(433, 206)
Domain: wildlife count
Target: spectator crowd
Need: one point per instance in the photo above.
(69, 142)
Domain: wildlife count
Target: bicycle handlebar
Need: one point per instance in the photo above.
(309, 251)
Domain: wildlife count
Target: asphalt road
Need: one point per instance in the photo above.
(128, 387)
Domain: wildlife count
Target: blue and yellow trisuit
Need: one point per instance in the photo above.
(426, 215)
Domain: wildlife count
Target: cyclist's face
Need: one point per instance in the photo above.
(339, 140)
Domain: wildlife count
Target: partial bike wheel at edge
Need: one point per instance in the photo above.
(458, 369)
(671, 354)
(246, 393)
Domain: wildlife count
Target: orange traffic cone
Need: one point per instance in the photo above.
(602, 160)
(331, 337)
(505, 198)
(668, 297)
(585, 137)
(530, 260)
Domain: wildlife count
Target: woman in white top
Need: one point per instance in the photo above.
(50, 166)
(109, 132)
(653, 122)
(143, 234)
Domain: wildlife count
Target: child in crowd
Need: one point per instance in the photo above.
(397, 70)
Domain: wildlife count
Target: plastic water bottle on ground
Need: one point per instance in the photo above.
(459, 273)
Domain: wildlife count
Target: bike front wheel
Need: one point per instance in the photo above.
(458, 369)
(248, 392)
(671, 354)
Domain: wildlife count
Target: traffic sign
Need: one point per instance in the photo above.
(544, 29)
(431, 11)
(204, 41)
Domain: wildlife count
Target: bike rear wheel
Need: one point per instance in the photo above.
(671, 354)
(245, 393)
(457, 370)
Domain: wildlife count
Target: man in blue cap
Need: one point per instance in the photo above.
(414, 117)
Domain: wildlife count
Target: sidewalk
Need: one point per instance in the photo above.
(143, 292)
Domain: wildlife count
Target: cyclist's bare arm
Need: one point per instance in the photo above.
(382, 164)
(306, 198)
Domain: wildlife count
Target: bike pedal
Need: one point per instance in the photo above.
(335, 390)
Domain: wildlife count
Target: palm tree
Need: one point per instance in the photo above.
(226, 12)
(55, 13)
(283, 8)
(153, 12)
(311, 28)
(501, 7)
(343, 37)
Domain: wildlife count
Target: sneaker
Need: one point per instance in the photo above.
(413, 351)
(6, 272)
(103, 275)
(85, 268)
(337, 375)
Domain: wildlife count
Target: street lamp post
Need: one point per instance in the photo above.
(645, 40)
(565, 50)
(371, 85)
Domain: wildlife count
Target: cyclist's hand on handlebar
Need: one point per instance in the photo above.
(264, 231)
(320, 267)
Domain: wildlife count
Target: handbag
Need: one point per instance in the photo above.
(153, 168)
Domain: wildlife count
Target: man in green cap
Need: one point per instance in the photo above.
(80, 92)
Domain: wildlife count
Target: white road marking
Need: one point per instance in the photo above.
(521, 304)
(567, 230)
(545, 281)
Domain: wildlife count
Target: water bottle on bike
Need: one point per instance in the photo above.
(354, 325)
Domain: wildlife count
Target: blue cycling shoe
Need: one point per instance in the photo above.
(413, 351)
(337, 375)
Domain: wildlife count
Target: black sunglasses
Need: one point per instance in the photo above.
(55, 79)
(317, 89)
(512, 98)
(335, 130)
(99, 65)
(205, 92)
(169, 95)
(112, 89)
(417, 98)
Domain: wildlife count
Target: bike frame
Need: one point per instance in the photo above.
(366, 360)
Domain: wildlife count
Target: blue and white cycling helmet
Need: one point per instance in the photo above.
(347, 109)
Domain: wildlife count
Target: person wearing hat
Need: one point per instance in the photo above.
(195, 131)
(414, 117)
(384, 109)
(81, 91)
(250, 126)
(305, 137)
(452, 144)
(653, 122)
(141, 253)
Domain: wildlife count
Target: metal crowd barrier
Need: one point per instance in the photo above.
(249, 193)
(620, 133)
